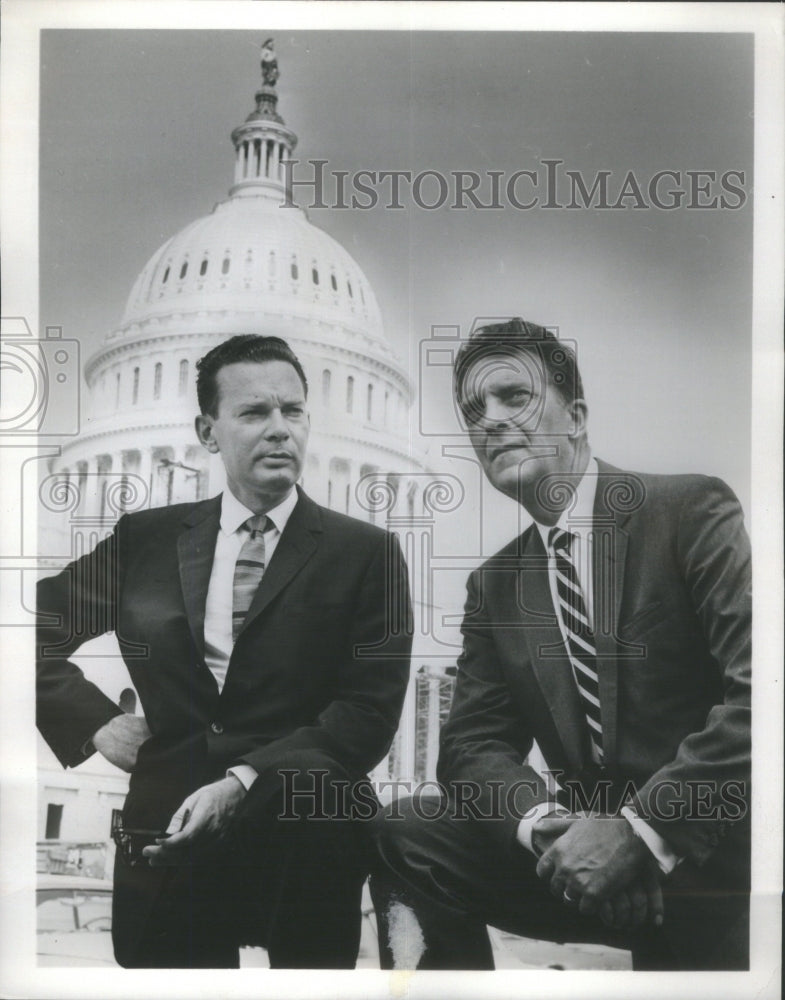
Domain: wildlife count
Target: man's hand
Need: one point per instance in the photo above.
(593, 861)
(199, 825)
(640, 902)
(119, 740)
(547, 830)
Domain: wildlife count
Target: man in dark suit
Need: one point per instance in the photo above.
(268, 639)
(615, 632)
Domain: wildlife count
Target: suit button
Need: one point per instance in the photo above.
(217, 728)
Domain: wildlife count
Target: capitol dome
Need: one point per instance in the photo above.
(255, 264)
(250, 256)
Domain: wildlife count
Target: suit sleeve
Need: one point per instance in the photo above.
(357, 727)
(76, 605)
(484, 742)
(687, 799)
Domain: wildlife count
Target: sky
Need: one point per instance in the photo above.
(134, 145)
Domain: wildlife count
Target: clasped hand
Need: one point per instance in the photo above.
(598, 864)
(199, 825)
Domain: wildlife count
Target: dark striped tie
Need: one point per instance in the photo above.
(248, 571)
(578, 635)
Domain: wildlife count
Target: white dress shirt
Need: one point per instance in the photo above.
(578, 520)
(220, 592)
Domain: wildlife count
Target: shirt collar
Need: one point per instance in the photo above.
(578, 516)
(234, 514)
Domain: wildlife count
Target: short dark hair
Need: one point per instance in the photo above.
(512, 338)
(243, 347)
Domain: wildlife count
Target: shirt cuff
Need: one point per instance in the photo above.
(244, 773)
(526, 825)
(665, 857)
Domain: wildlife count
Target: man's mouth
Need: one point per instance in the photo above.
(500, 449)
(280, 455)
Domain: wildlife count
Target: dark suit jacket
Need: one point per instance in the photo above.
(318, 673)
(672, 622)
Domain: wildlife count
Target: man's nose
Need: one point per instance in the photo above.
(496, 415)
(277, 426)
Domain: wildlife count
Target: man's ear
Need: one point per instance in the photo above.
(579, 412)
(204, 431)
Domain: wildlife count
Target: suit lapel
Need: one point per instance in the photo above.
(195, 552)
(547, 654)
(295, 547)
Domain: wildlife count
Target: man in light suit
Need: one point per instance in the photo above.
(271, 657)
(615, 631)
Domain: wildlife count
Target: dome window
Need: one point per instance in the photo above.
(271, 263)
(314, 276)
(349, 286)
(184, 269)
(334, 282)
(326, 387)
(369, 404)
(225, 266)
(294, 270)
(165, 277)
(203, 268)
(350, 394)
(183, 378)
(135, 395)
(157, 380)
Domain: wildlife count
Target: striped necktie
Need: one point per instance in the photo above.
(248, 571)
(578, 635)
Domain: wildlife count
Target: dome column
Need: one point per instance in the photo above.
(146, 473)
(90, 503)
(351, 503)
(432, 741)
(406, 732)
